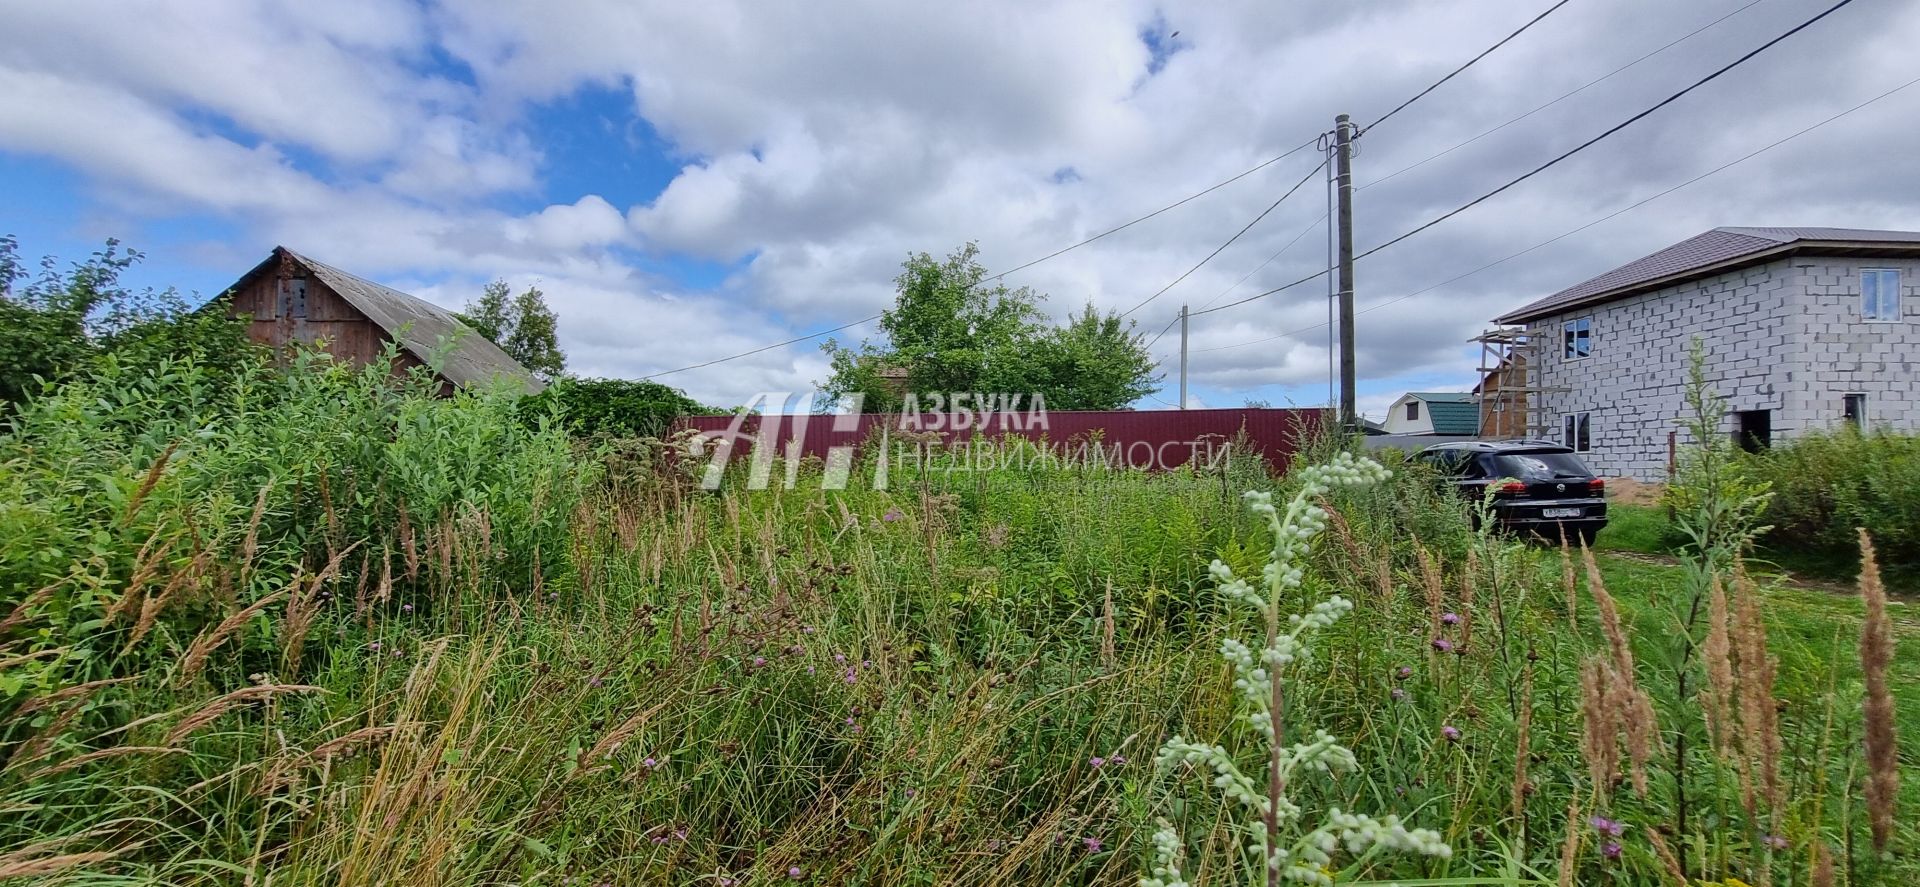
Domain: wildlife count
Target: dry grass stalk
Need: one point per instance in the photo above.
(611, 742)
(1600, 728)
(1433, 585)
(204, 645)
(1522, 742)
(1469, 581)
(1667, 858)
(1570, 848)
(152, 554)
(1106, 627)
(28, 863)
(250, 546)
(1822, 874)
(1759, 718)
(223, 704)
(1614, 686)
(78, 761)
(303, 609)
(1876, 657)
(41, 744)
(150, 608)
(147, 483)
(1567, 583)
(24, 610)
(63, 694)
(1717, 654)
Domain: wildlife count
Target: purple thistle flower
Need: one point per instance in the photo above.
(650, 764)
(840, 658)
(1450, 618)
(1093, 843)
(1404, 672)
(406, 608)
(1610, 827)
(893, 514)
(595, 681)
(659, 839)
(375, 646)
(397, 653)
(1096, 762)
(806, 629)
(1117, 759)
(794, 872)
(1451, 733)
(680, 834)
(726, 881)
(1443, 645)
(1398, 694)
(1775, 841)
(852, 675)
(759, 661)
(1611, 849)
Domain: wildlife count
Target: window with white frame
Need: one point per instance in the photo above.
(1413, 411)
(1880, 294)
(1577, 336)
(1575, 432)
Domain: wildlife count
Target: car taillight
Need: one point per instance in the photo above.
(1513, 486)
(1599, 484)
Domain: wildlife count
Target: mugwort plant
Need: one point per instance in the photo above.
(1273, 832)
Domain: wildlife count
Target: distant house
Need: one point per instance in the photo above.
(1803, 328)
(1502, 396)
(1447, 413)
(294, 299)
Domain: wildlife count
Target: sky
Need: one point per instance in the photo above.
(687, 181)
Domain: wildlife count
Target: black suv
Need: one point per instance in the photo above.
(1543, 487)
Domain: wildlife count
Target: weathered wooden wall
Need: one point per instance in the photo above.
(289, 307)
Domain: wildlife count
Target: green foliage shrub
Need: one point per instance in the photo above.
(153, 501)
(618, 408)
(1827, 484)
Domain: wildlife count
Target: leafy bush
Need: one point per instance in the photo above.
(619, 408)
(1827, 484)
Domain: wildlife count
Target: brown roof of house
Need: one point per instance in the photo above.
(427, 331)
(1715, 252)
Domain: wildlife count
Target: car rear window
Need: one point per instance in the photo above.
(1527, 466)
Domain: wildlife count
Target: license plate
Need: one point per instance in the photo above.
(1559, 512)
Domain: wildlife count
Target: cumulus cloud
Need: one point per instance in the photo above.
(816, 145)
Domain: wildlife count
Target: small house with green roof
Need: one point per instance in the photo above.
(1447, 413)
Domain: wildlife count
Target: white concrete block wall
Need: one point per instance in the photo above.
(1785, 337)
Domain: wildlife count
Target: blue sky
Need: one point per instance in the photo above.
(687, 181)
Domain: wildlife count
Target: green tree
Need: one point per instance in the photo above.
(621, 408)
(950, 330)
(57, 325)
(523, 326)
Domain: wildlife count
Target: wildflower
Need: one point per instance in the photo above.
(1451, 733)
(1775, 841)
(680, 834)
(650, 764)
(1611, 849)
(759, 661)
(595, 681)
(840, 658)
(375, 646)
(1450, 618)
(1609, 827)
(1404, 672)
(1093, 844)
(1443, 645)
(1117, 760)
(794, 872)
(852, 676)
(893, 514)
(726, 881)
(397, 653)
(806, 629)
(406, 608)
(1096, 763)
(910, 793)
(1398, 694)
(659, 839)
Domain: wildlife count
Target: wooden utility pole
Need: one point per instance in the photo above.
(1343, 169)
(1183, 357)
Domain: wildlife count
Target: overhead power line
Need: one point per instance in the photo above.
(764, 348)
(1456, 72)
(1236, 236)
(1610, 131)
(1551, 163)
(1563, 96)
(1609, 216)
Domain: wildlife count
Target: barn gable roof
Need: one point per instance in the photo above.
(425, 330)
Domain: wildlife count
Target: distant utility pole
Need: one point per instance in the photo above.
(1183, 357)
(1343, 169)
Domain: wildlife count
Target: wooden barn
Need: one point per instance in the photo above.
(294, 299)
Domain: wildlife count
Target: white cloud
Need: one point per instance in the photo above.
(820, 143)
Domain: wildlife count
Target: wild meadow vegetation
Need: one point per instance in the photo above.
(311, 625)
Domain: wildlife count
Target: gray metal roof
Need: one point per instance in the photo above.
(1713, 252)
(425, 330)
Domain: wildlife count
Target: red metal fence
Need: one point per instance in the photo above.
(1153, 439)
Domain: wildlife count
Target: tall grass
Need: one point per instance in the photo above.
(390, 639)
